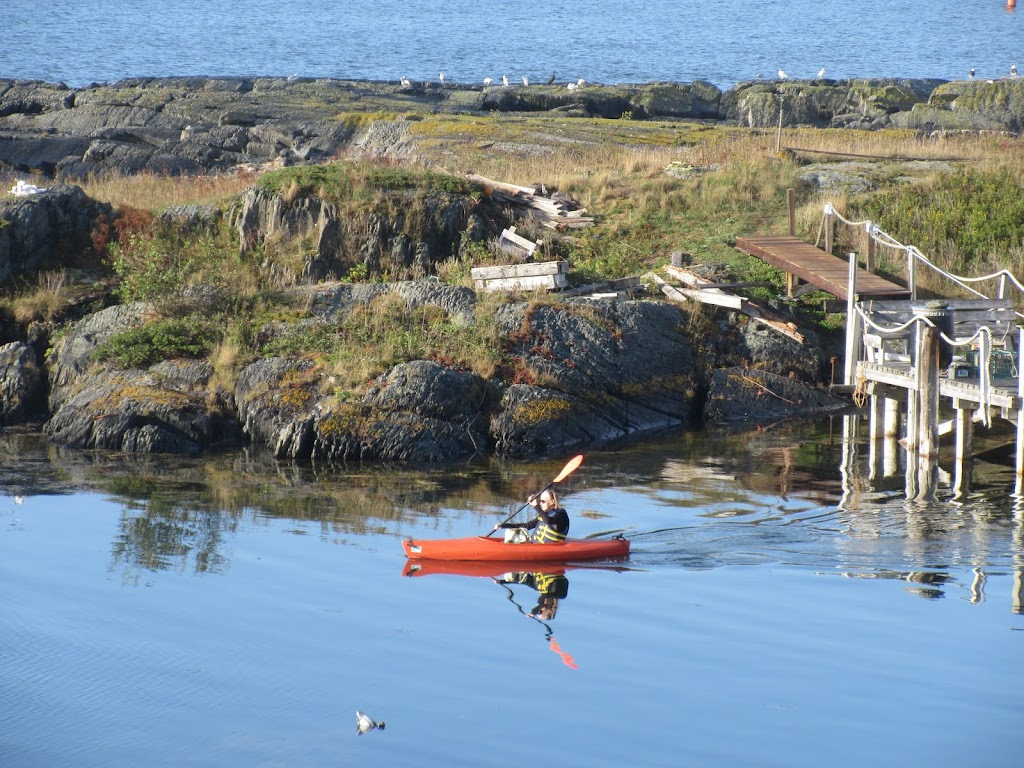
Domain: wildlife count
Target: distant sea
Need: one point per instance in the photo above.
(610, 41)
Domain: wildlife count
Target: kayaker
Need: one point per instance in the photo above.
(551, 523)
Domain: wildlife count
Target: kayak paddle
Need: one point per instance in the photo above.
(568, 469)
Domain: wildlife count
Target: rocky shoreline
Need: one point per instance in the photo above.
(193, 125)
(584, 372)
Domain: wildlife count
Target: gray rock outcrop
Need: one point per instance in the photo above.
(42, 230)
(199, 125)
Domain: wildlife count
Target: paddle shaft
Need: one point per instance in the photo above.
(567, 470)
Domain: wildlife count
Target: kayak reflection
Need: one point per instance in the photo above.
(548, 580)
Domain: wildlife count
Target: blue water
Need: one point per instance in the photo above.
(756, 623)
(611, 41)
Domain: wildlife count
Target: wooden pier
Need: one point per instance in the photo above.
(923, 369)
(818, 269)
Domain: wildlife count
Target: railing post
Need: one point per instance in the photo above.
(828, 229)
(912, 273)
(1019, 462)
(791, 209)
(853, 336)
(869, 259)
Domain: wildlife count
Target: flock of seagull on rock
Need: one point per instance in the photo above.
(405, 82)
(821, 73)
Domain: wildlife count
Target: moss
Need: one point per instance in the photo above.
(540, 411)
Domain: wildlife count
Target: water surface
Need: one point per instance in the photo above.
(233, 611)
(612, 41)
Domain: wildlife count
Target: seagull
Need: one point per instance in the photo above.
(759, 75)
(441, 77)
(366, 723)
(526, 80)
(821, 72)
(504, 79)
(572, 86)
(488, 81)
(19, 499)
(405, 82)
(580, 83)
(971, 73)
(782, 74)
(1013, 70)
(551, 79)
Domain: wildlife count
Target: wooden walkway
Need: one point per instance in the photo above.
(816, 267)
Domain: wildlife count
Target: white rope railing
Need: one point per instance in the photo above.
(983, 337)
(888, 241)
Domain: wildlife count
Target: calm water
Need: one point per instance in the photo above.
(724, 41)
(236, 612)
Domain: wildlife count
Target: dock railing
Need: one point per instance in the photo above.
(897, 351)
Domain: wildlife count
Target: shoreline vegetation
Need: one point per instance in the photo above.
(275, 247)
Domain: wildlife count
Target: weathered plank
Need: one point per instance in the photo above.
(520, 270)
(764, 316)
(523, 283)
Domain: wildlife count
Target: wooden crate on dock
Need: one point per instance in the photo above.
(542, 276)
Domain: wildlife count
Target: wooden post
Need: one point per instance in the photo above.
(853, 339)
(876, 431)
(828, 230)
(791, 209)
(964, 447)
(1019, 463)
(892, 434)
(928, 362)
(912, 273)
(869, 260)
(778, 138)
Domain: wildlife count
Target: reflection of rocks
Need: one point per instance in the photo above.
(21, 384)
(748, 395)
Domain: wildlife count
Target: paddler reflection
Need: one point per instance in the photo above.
(551, 587)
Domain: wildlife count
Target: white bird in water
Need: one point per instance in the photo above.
(405, 82)
(19, 499)
(504, 79)
(782, 74)
(366, 723)
(526, 80)
(821, 72)
(487, 81)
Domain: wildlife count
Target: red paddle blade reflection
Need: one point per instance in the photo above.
(565, 657)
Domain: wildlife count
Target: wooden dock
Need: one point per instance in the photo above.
(816, 268)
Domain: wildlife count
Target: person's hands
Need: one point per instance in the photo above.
(532, 500)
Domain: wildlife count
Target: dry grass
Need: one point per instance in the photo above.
(156, 193)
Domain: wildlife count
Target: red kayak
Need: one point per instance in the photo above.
(488, 549)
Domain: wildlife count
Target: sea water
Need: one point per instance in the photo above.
(611, 41)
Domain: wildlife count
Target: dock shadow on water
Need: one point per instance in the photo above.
(773, 580)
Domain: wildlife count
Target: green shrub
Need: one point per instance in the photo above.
(159, 340)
